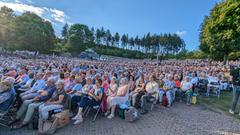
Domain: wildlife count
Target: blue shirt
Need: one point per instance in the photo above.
(77, 87)
(50, 91)
(24, 80)
(169, 84)
(38, 85)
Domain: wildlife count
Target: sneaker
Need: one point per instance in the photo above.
(78, 121)
(231, 111)
(75, 118)
(106, 113)
(110, 116)
(188, 104)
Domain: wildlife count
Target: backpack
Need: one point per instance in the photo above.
(57, 121)
(131, 114)
(165, 101)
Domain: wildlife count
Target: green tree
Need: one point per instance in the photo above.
(78, 37)
(117, 38)
(65, 31)
(7, 28)
(34, 33)
(220, 31)
(124, 40)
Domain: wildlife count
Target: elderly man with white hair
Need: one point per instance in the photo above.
(27, 108)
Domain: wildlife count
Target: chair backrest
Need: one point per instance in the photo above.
(67, 104)
(12, 101)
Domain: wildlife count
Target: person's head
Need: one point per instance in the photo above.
(99, 83)
(66, 75)
(170, 77)
(60, 85)
(50, 82)
(152, 78)
(105, 77)
(72, 77)
(6, 84)
(187, 79)
(22, 72)
(39, 76)
(88, 80)
(176, 77)
(114, 80)
(123, 81)
(31, 75)
(78, 79)
(131, 78)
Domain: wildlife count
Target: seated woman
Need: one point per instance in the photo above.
(112, 91)
(57, 101)
(140, 88)
(93, 98)
(120, 97)
(132, 85)
(186, 88)
(168, 90)
(77, 87)
(82, 92)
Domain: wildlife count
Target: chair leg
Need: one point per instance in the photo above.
(89, 108)
(4, 125)
(96, 114)
(85, 111)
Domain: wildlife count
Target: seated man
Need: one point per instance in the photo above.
(28, 84)
(186, 89)
(21, 79)
(38, 85)
(27, 108)
(57, 101)
(168, 89)
(213, 84)
(6, 95)
(152, 89)
(77, 87)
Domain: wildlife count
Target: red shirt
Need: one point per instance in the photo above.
(177, 83)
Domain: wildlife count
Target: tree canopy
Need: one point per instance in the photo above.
(220, 31)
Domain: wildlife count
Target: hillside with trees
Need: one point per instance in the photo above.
(31, 32)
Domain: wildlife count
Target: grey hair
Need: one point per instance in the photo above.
(60, 82)
(124, 80)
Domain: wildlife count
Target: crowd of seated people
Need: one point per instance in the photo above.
(45, 84)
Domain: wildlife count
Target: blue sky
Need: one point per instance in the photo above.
(135, 17)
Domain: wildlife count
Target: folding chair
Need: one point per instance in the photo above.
(7, 115)
(97, 108)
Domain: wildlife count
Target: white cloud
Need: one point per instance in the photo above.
(58, 15)
(181, 33)
(53, 15)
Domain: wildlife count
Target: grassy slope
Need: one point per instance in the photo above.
(223, 103)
